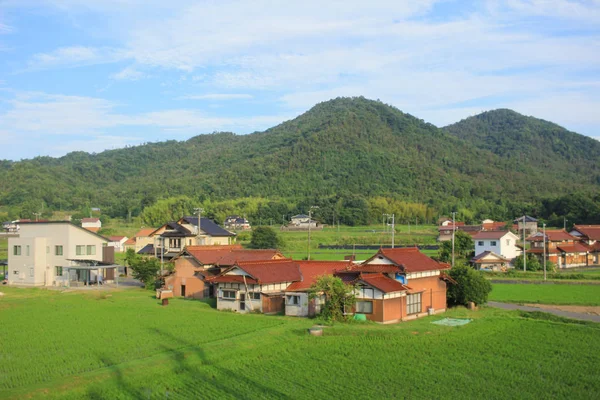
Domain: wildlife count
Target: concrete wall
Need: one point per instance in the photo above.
(300, 310)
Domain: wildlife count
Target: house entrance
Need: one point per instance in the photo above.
(182, 290)
(242, 301)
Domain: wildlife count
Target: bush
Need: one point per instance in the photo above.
(471, 286)
(264, 237)
(533, 264)
(338, 297)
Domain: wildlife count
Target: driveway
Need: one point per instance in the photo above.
(560, 313)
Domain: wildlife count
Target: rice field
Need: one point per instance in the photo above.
(584, 295)
(124, 345)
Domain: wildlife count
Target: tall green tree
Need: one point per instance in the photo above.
(338, 297)
(264, 237)
(470, 285)
(463, 247)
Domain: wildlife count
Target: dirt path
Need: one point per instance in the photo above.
(591, 310)
(549, 309)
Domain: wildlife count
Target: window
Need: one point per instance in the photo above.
(59, 271)
(27, 250)
(480, 243)
(493, 243)
(293, 300)
(58, 250)
(31, 272)
(15, 272)
(366, 292)
(228, 295)
(364, 307)
(91, 250)
(413, 303)
(254, 295)
(16, 250)
(80, 250)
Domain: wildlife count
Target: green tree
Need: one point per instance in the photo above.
(463, 247)
(264, 237)
(470, 286)
(338, 297)
(166, 210)
(533, 264)
(144, 269)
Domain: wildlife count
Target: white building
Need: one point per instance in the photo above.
(41, 254)
(91, 224)
(118, 242)
(502, 243)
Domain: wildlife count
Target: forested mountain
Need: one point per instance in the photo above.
(532, 141)
(343, 150)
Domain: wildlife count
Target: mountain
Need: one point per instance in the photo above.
(342, 147)
(531, 141)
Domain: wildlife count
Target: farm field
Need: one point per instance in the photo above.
(126, 346)
(585, 295)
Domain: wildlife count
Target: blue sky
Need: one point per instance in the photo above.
(95, 75)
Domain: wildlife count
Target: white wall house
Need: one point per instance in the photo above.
(118, 243)
(91, 223)
(503, 243)
(39, 255)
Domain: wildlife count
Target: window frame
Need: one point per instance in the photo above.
(480, 243)
(17, 250)
(254, 295)
(289, 297)
(59, 250)
(90, 249)
(223, 291)
(57, 269)
(363, 302)
(80, 250)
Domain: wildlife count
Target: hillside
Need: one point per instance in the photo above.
(531, 141)
(342, 147)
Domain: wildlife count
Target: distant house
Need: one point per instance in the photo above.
(235, 222)
(528, 223)
(445, 232)
(171, 238)
(562, 248)
(297, 303)
(58, 253)
(256, 285)
(91, 224)
(117, 242)
(195, 264)
(502, 243)
(140, 240)
(589, 235)
(10, 226)
(490, 260)
(303, 220)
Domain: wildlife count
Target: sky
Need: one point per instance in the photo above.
(91, 75)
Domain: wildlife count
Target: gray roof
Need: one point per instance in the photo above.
(527, 219)
(208, 226)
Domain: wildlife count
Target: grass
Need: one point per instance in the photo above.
(584, 295)
(3, 249)
(126, 346)
(560, 275)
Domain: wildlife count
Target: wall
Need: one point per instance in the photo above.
(434, 294)
(185, 269)
(300, 310)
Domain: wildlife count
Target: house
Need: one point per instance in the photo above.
(502, 243)
(171, 238)
(528, 223)
(303, 221)
(91, 224)
(140, 240)
(562, 248)
(399, 284)
(117, 242)
(491, 225)
(256, 285)
(491, 261)
(445, 232)
(297, 303)
(235, 222)
(197, 263)
(57, 253)
(589, 235)
(10, 227)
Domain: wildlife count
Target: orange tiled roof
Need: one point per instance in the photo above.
(383, 283)
(311, 270)
(410, 259)
(552, 235)
(272, 271)
(592, 232)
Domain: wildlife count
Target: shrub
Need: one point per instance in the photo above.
(470, 286)
(338, 297)
(533, 264)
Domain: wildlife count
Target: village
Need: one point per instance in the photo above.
(204, 261)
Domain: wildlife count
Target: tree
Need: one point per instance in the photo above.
(463, 247)
(533, 264)
(470, 286)
(338, 296)
(144, 269)
(264, 237)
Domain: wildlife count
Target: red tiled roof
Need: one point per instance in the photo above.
(573, 248)
(89, 220)
(92, 229)
(383, 283)
(311, 270)
(377, 268)
(479, 257)
(410, 259)
(232, 279)
(490, 235)
(536, 250)
(272, 271)
(552, 235)
(494, 226)
(243, 255)
(592, 232)
(210, 255)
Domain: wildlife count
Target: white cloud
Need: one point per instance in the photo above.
(218, 96)
(75, 56)
(129, 73)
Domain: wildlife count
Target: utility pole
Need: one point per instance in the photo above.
(199, 211)
(393, 217)
(309, 223)
(524, 247)
(565, 223)
(162, 253)
(453, 231)
(544, 251)
(37, 216)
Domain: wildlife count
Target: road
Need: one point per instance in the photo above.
(565, 314)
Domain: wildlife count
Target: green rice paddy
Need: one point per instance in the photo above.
(124, 345)
(584, 295)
